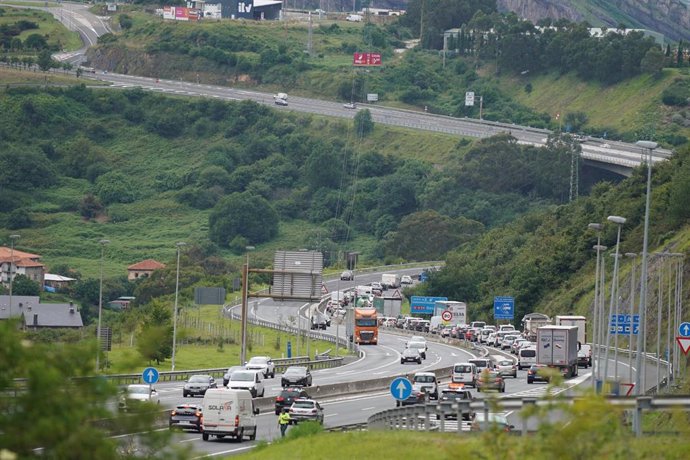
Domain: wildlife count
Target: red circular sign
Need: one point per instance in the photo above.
(447, 315)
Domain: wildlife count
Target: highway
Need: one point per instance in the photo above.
(620, 156)
(378, 361)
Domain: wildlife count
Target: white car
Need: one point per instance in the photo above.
(350, 105)
(246, 379)
(279, 101)
(138, 393)
(263, 364)
(406, 279)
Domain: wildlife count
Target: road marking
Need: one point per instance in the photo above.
(188, 440)
(330, 415)
(369, 408)
(215, 454)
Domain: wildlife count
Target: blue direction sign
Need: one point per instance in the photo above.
(401, 388)
(624, 324)
(150, 375)
(504, 307)
(684, 330)
(424, 305)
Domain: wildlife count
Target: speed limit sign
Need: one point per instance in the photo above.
(447, 315)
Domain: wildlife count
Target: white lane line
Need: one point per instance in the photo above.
(215, 454)
(188, 440)
(369, 408)
(330, 415)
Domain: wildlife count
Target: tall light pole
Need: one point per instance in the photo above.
(13, 238)
(599, 312)
(245, 295)
(596, 227)
(100, 306)
(633, 256)
(177, 289)
(649, 146)
(619, 221)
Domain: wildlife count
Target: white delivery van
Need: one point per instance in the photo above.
(228, 413)
(465, 373)
(527, 356)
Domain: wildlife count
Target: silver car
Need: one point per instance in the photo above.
(506, 367)
(305, 409)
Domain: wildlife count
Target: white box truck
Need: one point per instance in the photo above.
(557, 347)
(228, 413)
(390, 281)
(579, 321)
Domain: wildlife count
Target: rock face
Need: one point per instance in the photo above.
(669, 17)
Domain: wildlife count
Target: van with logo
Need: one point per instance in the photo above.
(228, 413)
(464, 373)
(481, 364)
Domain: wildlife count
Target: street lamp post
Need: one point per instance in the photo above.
(599, 312)
(177, 289)
(100, 306)
(619, 221)
(13, 238)
(245, 295)
(631, 348)
(649, 146)
(597, 227)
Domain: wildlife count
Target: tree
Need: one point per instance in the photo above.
(22, 285)
(36, 42)
(45, 61)
(54, 411)
(653, 61)
(363, 122)
(244, 214)
(115, 187)
(155, 343)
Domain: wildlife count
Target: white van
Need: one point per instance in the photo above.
(228, 413)
(482, 363)
(465, 373)
(527, 356)
(506, 327)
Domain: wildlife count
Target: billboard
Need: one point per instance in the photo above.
(245, 9)
(180, 13)
(297, 274)
(420, 305)
(366, 59)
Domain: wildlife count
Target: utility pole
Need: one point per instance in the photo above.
(309, 37)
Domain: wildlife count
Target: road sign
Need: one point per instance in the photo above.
(401, 388)
(150, 375)
(630, 387)
(504, 307)
(469, 98)
(447, 315)
(324, 289)
(624, 324)
(397, 294)
(423, 305)
(684, 343)
(684, 330)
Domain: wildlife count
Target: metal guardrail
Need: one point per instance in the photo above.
(431, 417)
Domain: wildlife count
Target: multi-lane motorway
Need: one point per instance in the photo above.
(378, 361)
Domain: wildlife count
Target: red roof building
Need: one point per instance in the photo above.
(143, 269)
(14, 262)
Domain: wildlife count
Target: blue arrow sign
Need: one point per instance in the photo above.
(504, 307)
(684, 329)
(401, 388)
(150, 375)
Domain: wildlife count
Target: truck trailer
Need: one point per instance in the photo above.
(557, 348)
(579, 321)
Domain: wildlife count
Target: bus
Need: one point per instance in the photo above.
(366, 326)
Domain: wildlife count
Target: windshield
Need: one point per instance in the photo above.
(198, 378)
(424, 379)
(242, 377)
(303, 404)
(528, 353)
(416, 345)
(505, 363)
(480, 363)
(295, 371)
(258, 361)
(143, 390)
(366, 322)
(463, 369)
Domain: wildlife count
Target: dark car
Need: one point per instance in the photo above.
(186, 416)
(296, 376)
(197, 385)
(287, 396)
(454, 395)
(410, 355)
(535, 373)
(491, 380)
(416, 397)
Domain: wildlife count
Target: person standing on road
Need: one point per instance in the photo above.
(283, 422)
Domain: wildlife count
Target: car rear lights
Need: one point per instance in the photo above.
(237, 420)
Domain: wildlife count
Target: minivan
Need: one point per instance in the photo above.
(465, 373)
(481, 364)
(228, 413)
(527, 356)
